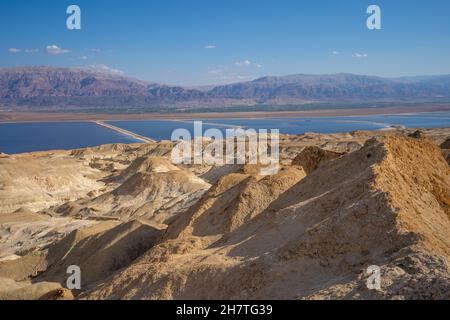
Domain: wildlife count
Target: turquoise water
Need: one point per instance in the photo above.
(26, 137)
(42, 136)
(162, 130)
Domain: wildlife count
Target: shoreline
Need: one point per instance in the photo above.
(23, 117)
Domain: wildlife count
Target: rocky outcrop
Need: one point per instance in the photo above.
(446, 144)
(312, 157)
(310, 231)
(100, 250)
(386, 205)
(156, 194)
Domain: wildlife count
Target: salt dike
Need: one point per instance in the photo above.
(141, 228)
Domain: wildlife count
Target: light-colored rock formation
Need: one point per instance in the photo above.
(386, 204)
(141, 227)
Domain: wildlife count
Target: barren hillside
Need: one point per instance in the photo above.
(140, 227)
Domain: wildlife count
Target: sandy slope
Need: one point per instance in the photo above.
(308, 232)
(100, 250)
(150, 187)
(355, 211)
(37, 182)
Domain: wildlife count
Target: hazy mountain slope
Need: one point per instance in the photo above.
(44, 87)
(50, 88)
(337, 87)
(26, 83)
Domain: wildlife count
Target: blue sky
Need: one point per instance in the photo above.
(199, 42)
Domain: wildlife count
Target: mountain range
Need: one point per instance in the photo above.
(48, 88)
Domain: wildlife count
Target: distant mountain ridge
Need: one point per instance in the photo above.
(68, 88)
(45, 87)
(338, 87)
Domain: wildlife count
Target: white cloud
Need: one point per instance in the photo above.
(244, 63)
(360, 55)
(16, 50)
(55, 50)
(83, 57)
(335, 53)
(104, 69)
(95, 50)
(210, 46)
(247, 63)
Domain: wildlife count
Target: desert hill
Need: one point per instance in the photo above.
(102, 249)
(445, 146)
(361, 209)
(151, 187)
(141, 227)
(36, 182)
(234, 200)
